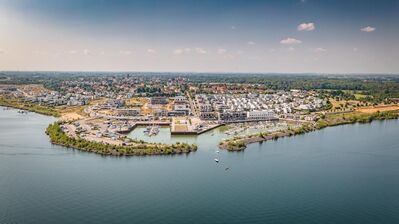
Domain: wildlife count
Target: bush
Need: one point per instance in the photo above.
(58, 136)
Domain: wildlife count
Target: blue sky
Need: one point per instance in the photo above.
(202, 36)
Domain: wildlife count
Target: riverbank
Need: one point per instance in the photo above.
(240, 143)
(132, 148)
(32, 107)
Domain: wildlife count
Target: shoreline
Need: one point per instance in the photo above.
(16, 104)
(137, 148)
(233, 144)
(140, 148)
(241, 143)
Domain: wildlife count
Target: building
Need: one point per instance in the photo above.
(229, 116)
(159, 100)
(180, 98)
(261, 115)
(7, 89)
(111, 103)
(176, 113)
(160, 112)
(205, 107)
(209, 115)
(127, 112)
(181, 106)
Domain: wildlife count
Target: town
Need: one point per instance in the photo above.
(106, 109)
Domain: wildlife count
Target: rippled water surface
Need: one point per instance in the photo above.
(344, 174)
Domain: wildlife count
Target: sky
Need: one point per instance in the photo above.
(283, 36)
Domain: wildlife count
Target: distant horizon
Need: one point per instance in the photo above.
(204, 72)
(243, 36)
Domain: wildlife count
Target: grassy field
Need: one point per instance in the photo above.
(136, 102)
(70, 113)
(356, 105)
(32, 107)
(98, 101)
(358, 94)
(354, 117)
(344, 105)
(380, 108)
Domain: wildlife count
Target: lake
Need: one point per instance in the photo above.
(343, 174)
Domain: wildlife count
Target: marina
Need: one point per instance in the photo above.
(294, 171)
(152, 130)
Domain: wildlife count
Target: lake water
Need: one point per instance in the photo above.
(344, 174)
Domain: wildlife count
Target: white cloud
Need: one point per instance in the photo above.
(187, 50)
(291, 49)
(355, 49)
(102, 53)
(306, 27)
(233, 27)
(125, 52)
(178, 51)
(86, 52)
(251, 43)
(151, 51)
(221, 51)
(182, 51)
(319, 50)
(290, 40)
(2, 51)
(368, 29)
(72, 52)
(200, 51)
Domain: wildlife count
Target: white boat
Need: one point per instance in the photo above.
(216, 160)
(154, 131)
(148, 128)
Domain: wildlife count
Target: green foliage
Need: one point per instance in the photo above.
(235, 145)
(32, 107)
(348, 118)
(58, 136)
